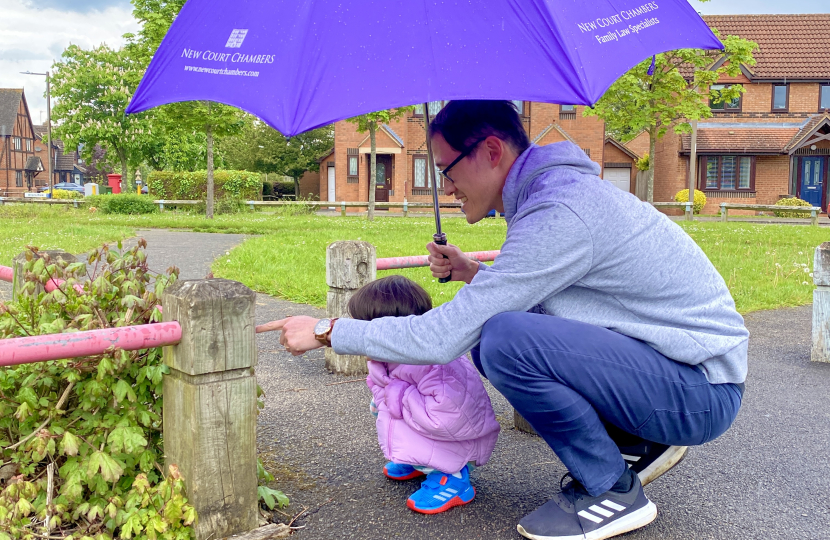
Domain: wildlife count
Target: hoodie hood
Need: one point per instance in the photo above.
(527, 176)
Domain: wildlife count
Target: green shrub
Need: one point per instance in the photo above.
(267, 191)
(699, 202)
(96, 419)
(283, 188)
(124, 203)
(242, 185)
(66, 194)
(643, 163)
(792, 201)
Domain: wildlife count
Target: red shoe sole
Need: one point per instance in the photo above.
(455, 501)
(410, 476)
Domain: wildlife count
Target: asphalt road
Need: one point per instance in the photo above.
(768, 477)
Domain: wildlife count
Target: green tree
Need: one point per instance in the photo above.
(92, 89)
(370, 122)
(215, 120)
(261, 148)
(677, 92)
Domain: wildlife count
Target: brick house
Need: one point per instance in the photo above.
(20, 168)
(402, 159)
(775, 140)
(66, 166)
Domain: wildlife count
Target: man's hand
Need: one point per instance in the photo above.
(462, 267)
(297, 334)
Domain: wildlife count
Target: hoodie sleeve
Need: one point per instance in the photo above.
(548, 248)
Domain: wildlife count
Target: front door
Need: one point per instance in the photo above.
(384, 177)
(812, 180)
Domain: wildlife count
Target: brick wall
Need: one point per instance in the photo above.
(310, 184)
(587, 132)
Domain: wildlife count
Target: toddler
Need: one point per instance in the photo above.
(432, 420)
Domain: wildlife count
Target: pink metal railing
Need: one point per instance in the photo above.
(415, 261)
(7, 274)
(30, 349)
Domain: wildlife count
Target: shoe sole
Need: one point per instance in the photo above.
(410, 476)
(631, 522)
(671, 457)
(455, 501)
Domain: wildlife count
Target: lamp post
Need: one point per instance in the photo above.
(48, 124)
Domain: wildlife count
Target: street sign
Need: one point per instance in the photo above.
(34, 195)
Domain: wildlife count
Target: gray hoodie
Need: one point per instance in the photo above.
(584, 250)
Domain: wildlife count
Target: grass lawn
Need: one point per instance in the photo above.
(765, 266)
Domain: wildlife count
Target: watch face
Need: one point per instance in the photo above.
(322, 326)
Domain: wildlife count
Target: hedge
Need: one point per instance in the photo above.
(170, 185)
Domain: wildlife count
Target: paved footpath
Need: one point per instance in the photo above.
(767, 478)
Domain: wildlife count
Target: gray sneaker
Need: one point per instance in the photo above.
(573, 514)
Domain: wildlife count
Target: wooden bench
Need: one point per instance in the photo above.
(725, 207)
(687, 206)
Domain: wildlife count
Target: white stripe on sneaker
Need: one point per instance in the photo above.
(440, 498)
(612, 505)
(451, 490)
(601, 511)
(445, 494)
(631, 458)
(588, 515)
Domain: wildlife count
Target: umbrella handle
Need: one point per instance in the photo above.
(441, 240)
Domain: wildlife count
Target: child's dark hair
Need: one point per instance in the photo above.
(391, 296)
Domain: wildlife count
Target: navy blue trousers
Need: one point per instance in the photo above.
(569, 379)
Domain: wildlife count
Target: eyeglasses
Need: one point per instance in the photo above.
(461, 156)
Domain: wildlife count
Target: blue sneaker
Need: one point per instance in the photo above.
(401, 471)
(440, 492)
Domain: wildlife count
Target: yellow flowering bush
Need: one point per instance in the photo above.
(792, 201)
(699, 202)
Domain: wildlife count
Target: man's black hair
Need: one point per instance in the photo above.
(462, 122)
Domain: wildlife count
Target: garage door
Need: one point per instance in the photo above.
(619, 177)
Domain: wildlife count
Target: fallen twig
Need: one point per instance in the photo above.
(344, 382)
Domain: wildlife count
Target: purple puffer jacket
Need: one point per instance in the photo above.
(435, 416)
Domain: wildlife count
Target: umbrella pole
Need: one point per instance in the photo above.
(439, 237)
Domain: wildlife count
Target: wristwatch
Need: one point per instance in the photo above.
(322, 331)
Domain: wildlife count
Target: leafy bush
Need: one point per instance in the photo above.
(243, 185)
(643, 163)
(792, 201)
(95, 422)
(220, 206)
(66, 194)
(699, 202)
(267, 191)
(124, 203)
(283, 188)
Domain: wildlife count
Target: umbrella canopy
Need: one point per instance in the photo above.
(302, 64)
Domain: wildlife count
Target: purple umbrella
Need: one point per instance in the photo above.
(302, 64)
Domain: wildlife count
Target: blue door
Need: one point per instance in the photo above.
(812, 180)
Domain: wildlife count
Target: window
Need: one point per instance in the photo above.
(419, 175)
(824, 97)
(727, 173)
(18, 178)
(28, 145)
(17, 143)
(434, 108)
(780, 97)
(732, 105)
(520, 106)
(353, 165)
(567, 112)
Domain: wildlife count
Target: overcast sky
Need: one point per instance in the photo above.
(33, 33)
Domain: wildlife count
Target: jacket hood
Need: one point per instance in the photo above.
(527, 175)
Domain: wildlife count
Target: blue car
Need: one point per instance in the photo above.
(492, 213)
(68, 186)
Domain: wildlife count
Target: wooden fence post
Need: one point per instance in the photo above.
(210, 402)
(20, 260)
(349, 266)
(821, 304)
(724, 212)
(521, 424)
